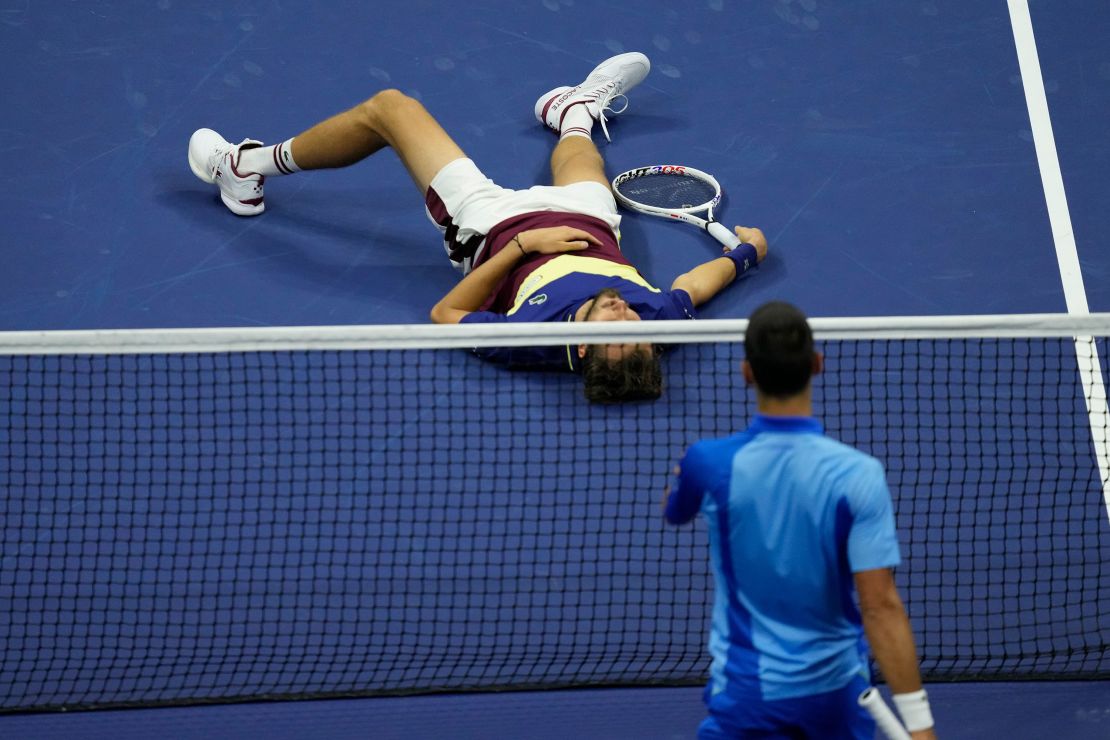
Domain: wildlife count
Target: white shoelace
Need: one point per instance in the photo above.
(603, 106)
(217, 158)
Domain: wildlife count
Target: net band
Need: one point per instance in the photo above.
(249, 339)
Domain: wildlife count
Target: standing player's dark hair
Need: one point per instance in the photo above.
(779, 346)
(636, 377)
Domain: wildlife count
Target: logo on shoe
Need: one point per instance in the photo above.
(557, 103)
(554, 105)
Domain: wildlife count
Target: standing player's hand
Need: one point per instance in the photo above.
(555, 239)
(923, 735)
(754, 237)
(667, 491)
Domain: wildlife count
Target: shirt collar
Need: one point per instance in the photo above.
(764, 423)
(574, 363)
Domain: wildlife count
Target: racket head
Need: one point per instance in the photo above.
(667, 189)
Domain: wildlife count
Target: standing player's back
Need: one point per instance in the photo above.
(797, 513)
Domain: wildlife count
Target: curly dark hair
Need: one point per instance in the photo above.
(636, 377)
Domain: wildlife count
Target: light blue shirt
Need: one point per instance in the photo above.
(791, 515)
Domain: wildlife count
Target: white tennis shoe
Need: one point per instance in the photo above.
(609, 81)
(216, 161)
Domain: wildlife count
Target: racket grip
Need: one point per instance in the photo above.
(721, 233)
(888, 724)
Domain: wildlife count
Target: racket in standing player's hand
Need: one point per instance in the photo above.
(885, 720)
(674, 191)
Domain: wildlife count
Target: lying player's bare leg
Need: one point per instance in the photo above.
(389, 118)
(576, 159)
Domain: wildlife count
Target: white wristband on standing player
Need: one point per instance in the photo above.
(914, 709)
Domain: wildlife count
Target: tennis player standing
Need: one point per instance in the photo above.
(796, 521)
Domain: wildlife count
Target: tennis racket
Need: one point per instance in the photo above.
(675, 191)
(888, 724)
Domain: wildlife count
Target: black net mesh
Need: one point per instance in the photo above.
(209, 527)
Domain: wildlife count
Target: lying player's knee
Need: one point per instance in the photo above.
(389, 103)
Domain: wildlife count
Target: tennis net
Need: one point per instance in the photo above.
(220, 515)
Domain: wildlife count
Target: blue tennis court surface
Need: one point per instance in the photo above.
(885, 149)
(1077, 711)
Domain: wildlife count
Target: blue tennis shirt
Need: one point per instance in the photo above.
(791, 515)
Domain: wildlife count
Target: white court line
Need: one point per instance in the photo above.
(1067, 256)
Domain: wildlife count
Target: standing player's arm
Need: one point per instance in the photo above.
(682, 499)
(473, 290)
(890, 636)
(709, 278)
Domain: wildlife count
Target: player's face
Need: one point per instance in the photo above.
(610, 305)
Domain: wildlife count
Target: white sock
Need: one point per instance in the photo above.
(269, 160)
(577, 122)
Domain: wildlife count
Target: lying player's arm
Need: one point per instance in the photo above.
(891, 639)
(709, 278)
(473, 290)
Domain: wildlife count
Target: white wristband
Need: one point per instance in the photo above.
(914, 708)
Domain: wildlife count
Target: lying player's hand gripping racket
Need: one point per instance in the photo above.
(674, 191)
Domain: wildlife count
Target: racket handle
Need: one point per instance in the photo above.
(721, 233)
(885, 720)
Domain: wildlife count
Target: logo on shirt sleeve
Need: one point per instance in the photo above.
(538, 300)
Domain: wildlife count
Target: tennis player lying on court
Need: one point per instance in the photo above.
(797, 521)
(548, 253)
